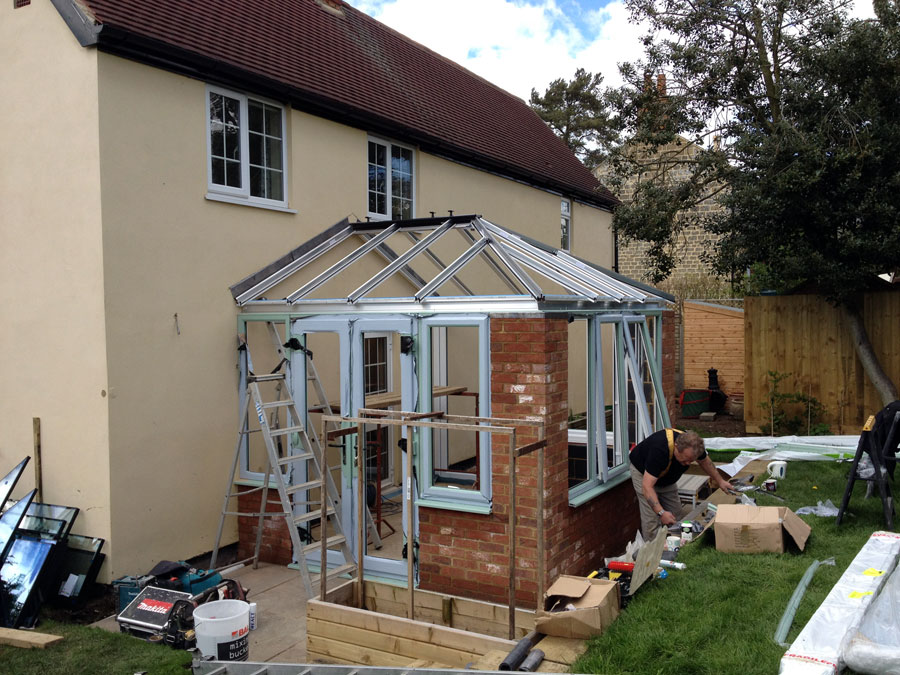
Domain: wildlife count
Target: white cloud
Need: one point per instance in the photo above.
(515, 45)
(524, 44)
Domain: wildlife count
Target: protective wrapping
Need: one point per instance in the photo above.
(817, 650)
(875, 646)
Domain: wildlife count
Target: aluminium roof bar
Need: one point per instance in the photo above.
(614, 287)
(555, 276)
(451, 269)
(440, 263)
(401, 261)
(390, 256)
(603, 285)
(518, 272)
(470, 239)
(338, 267)
(588, 269)
(286, 271)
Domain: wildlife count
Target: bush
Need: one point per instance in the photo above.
(792, 413)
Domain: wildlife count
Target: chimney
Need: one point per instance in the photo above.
(661, 85)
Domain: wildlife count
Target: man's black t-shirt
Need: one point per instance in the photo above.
(652, 456)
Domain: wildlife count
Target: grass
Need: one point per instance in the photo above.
(720, 614)
(94, 651)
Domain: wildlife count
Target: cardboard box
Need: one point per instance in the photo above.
(593, 606)
(741, 528)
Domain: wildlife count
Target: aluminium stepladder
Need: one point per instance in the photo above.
(306, 452)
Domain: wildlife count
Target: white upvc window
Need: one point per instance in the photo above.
(245, 148)
(598, 456)
(565, 224)
(391, 186)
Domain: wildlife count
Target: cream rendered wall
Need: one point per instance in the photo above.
(445, 185)
(169, 251)
(53, 341)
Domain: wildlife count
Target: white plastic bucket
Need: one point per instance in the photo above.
(223, 629)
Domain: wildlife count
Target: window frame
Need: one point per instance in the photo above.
(217, 192)
(389, 145)
(474, 501)
(601, 477)
(565, 224)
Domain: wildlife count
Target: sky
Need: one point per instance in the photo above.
(522, 45)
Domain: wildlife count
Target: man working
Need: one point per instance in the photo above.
(657, 463)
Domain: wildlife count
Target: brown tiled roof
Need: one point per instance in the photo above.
(345, 66)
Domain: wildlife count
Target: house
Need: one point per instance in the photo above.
(155, 153)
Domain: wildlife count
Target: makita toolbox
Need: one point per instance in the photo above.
(129, 587)
(149, 613)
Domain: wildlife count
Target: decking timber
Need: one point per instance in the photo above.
(464, 613)
(358, 636)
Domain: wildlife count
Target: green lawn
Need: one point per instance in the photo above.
(92, 651)
(719, 615)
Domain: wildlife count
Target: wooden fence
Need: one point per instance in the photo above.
(805, 336)
(713, 338)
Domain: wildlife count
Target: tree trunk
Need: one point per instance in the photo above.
(867, 356)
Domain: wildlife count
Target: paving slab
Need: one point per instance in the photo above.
(281, 613)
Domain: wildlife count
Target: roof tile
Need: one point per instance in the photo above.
(357, 64)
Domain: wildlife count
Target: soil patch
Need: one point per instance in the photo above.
(724, 426)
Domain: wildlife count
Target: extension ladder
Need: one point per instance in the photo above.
(307, 453)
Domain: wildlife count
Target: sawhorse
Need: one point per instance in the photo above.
(879, 457)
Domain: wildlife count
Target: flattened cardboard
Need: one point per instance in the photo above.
(741, 528)
(647, 560)
(595, 605)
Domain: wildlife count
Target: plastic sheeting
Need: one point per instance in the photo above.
(875, 647)
(817, 650)
(823, 510)
(813, 443)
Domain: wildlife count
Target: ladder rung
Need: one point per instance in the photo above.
(286, 430)
(312, 515)
(301, 487)
(332, 541)
(295, 458)
(343, 569)
(283, 403)
(274, 377)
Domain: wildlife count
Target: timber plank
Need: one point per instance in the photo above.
(562, 650)
(416, 630)
(490, 661)
(496, 629)
(392, 644)
(314, 657)
(354, 654)
(387, 598)
(27, 639)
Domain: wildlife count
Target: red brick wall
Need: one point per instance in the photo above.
(276, 545)
(468, 554)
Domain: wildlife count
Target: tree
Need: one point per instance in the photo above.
(577, 113)
(793, 107)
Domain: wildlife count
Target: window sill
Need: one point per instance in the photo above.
(583, 497)
(228, 199)
(482, 509)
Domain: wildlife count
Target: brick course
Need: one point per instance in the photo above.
(461, 552)
(468, 554)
